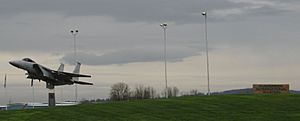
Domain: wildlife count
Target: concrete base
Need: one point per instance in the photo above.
(51, 100)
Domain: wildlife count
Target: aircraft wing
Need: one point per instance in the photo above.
(83, 83)
(72, 74)
(44, 70)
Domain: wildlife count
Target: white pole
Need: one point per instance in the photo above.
(165, 56)
(75, 58)
(74, 33)
(164, 26)
(207, 56)
(75, 51)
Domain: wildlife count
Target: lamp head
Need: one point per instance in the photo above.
(204, 13)
(164, 25)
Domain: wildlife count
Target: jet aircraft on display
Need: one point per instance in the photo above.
(52, 78)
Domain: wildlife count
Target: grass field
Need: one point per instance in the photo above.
(202, 108)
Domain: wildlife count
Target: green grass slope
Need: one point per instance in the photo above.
(203, 108)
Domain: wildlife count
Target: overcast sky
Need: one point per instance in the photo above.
(250, 41)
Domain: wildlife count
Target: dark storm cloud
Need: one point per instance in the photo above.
(131, 56)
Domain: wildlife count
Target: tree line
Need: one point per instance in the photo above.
(121, 91)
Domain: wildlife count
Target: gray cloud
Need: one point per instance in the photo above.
(176, 11)
(112, 27)
(133, 55)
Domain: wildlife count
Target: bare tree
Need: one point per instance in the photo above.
(138, 93)
(120, 91)
(153, 93)
(196, 92)
(193, 92)
(169, 92)
(141, 92)
(147, 92)
(172, 91)
(175, 92)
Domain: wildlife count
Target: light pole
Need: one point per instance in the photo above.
(5, 92)
(206, 48)
(74, 33)
(164, 26)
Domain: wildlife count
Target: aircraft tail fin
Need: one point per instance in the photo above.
(77, 68)
(77, 71)
(61, 67)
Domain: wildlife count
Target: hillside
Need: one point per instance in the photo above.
(246, 91)
(218, 108)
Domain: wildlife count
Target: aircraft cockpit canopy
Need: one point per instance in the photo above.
(28, 60)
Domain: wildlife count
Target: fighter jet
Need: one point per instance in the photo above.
(52, 78)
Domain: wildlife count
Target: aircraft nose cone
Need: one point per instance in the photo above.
(14, 63)
(11, 62)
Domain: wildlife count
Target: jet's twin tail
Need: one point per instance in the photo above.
(76, 69)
